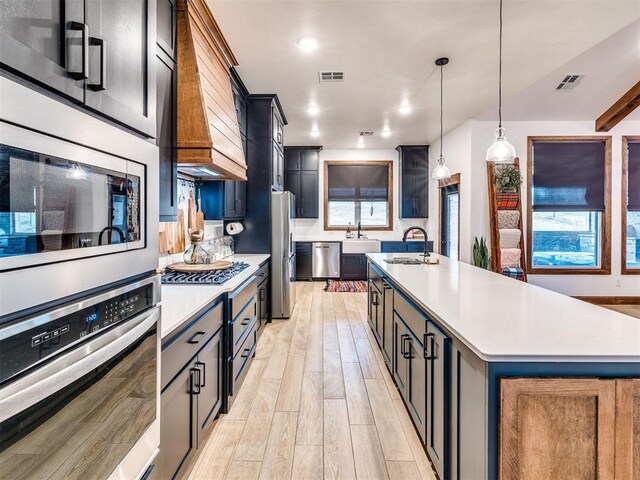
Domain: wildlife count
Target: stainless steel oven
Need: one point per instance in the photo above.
(79, 389)
(75, 214)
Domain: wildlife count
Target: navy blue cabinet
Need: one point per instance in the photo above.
(404, 247)
(414, 181)
(301, 178)
(353, 266)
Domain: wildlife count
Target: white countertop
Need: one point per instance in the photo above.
(181, 302)
(502, 319)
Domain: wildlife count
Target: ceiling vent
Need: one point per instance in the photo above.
(366, 134)
(331, 76)
(569, 82)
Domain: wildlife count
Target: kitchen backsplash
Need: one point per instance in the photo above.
(311, 229)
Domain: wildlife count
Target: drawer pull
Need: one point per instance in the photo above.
(245, 321)
(195, 340)
(245, 353)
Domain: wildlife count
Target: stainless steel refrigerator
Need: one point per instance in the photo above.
(283, 255)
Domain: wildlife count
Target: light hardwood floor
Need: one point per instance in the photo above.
(632, 310)
(318, 402)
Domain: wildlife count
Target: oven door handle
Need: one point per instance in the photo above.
(69, 367)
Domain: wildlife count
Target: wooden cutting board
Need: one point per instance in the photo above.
(200, 267)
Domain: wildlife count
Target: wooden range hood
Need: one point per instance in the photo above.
(208, 134)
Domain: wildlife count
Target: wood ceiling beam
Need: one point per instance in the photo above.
(619, 110)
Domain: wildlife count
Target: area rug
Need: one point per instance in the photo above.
(346, 286)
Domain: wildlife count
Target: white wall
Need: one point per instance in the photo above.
(457, 155)
(313, 229)
(474, 210)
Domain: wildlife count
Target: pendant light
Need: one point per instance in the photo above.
(500, 151)
(441, 172)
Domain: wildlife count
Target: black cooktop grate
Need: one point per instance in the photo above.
(217, 277)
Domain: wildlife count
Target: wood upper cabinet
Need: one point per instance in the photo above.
(628, 429)
(208, 130)
(98, 53)
(557, 428)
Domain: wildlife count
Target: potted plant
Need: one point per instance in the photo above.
(480, 253)
(508, 180)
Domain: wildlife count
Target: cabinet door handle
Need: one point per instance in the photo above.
(374, 299)
(428, 338)
(102, 85)
(406, 351)
(84, 72)
(279, 138)
(195, 383)
(195, 339)
(301, 211)
(204, 373)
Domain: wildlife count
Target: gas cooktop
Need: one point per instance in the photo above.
(217, 277)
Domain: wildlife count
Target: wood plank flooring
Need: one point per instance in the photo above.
(318, 402)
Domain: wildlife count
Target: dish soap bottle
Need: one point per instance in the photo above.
(349, 232)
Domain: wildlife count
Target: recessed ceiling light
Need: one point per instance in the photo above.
(307, 43)
(386, 133)
(405, 109)
(315, 132)
(313, 109)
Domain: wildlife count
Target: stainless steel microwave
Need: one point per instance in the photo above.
(78, 208)
(62, 205)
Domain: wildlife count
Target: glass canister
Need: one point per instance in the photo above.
(196, 253)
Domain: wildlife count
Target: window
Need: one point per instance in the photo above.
(568, 227)
(631, 205)
(358, 192)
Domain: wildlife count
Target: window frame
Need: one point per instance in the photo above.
(605, 241)
(624, 190)
(388, 164)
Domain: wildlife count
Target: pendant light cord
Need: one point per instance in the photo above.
(441, 95)
(500, 75)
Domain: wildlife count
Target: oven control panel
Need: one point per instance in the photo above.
(30, 346)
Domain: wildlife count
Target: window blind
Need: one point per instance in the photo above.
(354, 183)
(633, 189)
(568, 176)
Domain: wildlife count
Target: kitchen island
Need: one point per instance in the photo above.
(504, 379)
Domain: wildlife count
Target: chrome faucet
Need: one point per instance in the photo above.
(426, 242)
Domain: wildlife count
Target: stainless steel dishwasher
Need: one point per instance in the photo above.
(326, 260)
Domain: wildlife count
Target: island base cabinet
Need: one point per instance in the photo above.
(415, 393)
(436, 345)
(468, 411)
(387, 325)
(557, 428)
(628, 429)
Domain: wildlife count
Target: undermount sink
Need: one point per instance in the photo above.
(360, 245)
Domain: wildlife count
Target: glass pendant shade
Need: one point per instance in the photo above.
(441, 172)
(501, 151)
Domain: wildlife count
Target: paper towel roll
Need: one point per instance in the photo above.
(234, 228)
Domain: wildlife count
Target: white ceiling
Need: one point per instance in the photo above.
(387, 49)
(610, 68)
